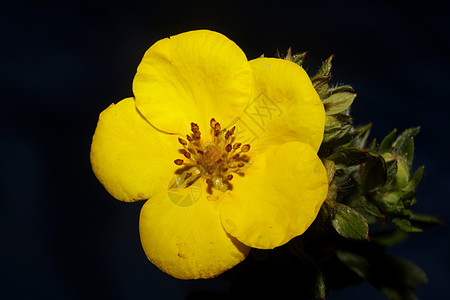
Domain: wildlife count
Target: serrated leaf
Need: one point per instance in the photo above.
(350, 156)
(386, 143)
(325, 68)
(299, 58)
(415, 180)
(404, 137)
(337, 103)
(374, 174)
(405, 225)
(349, 223)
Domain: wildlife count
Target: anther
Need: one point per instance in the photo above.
(185, 153)
(245, 148)
(240, 165)
(200, 152)
(224, 170)
(188, 175)
(178, 162)
(182, 142)
(212, 123)
(194, 127)
(190, 139)
(235, 156)
(236, 146)
(209, 181)
(229, 177)
(228, 148)
(197, 135)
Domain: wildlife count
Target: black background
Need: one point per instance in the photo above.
(63, 62)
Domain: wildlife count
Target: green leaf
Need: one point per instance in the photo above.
(325, 68)
(404, 137)
(390, 202)
(426, 219)
(350, 156)
(410, 274)
(370, 208)
(391, 167)
(349, 223)
(386, 143)
(388, 238)
(407, 151)
(373, 145)
(361, 140)
(335, 132)
(331, 169)
(299, 58)
(392, 276)
(374, 174)
(321, 86)
(405, 225)
(356, 262)
(337, 103)
(319, 285)
(415, 180)
(340, 89)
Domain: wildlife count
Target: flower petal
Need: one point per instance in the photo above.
(192, 77)
(181, 234)
(129, 157)
(286, 107)
(278, 198)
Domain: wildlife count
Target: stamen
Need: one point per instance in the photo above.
(185, 153)
(245, 148)
(212, 123)
(213, 160)
(182, 142)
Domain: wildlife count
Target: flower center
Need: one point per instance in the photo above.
(215, 160)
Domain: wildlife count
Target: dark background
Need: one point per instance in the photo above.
(63, 62)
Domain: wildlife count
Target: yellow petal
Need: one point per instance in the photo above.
(285, 108)
(129, 157)
(278, 198)
(181, 234)
(192, 77)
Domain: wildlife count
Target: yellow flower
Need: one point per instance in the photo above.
(225, 149)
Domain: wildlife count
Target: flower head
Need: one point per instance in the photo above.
(223, 148)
